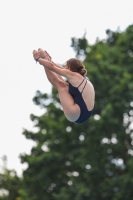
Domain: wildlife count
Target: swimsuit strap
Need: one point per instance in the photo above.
(82, 82)
(84, 87)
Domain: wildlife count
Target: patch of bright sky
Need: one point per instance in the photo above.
(27, 25)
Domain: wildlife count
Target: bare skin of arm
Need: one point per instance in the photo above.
(72, 77)
(59, 66)
(46, 61)
(48, 57)
(44, 54)
(56, 68)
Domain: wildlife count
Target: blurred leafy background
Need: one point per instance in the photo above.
(89, 161)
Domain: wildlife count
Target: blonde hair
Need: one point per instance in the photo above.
(76, 65)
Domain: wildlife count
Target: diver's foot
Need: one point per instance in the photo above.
(44, 54)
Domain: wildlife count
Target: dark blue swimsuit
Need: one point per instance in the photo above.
(78, 99)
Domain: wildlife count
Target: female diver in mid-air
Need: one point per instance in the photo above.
(77, 97)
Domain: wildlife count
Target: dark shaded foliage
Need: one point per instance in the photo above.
(93, 160)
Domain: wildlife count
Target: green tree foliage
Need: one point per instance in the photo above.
(92, 160)
(10, 183)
